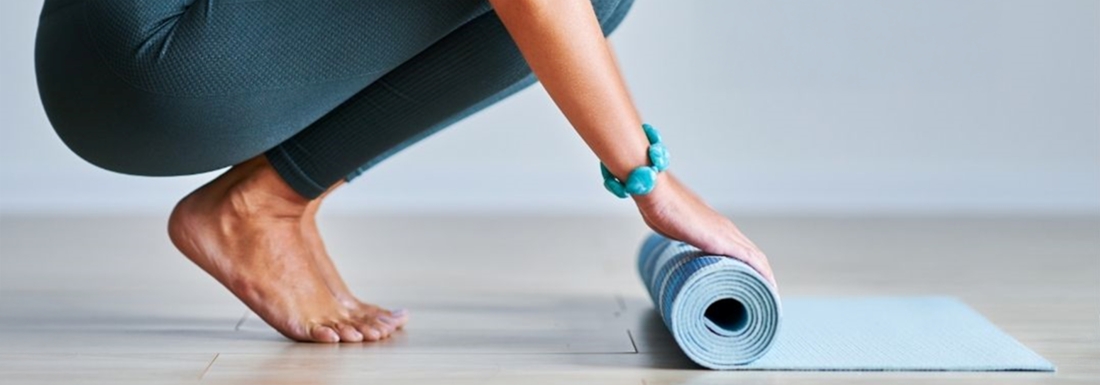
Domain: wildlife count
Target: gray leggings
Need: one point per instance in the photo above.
(326, 89)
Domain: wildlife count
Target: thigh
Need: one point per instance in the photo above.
(221, 47)
(178, 87)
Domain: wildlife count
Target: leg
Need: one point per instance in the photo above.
(179, 87)
(494, 64)
(455, 77)
(159, 110)
(171, 87)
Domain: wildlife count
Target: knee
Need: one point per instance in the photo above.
(610, 13)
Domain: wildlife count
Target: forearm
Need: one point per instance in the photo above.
(564, 46)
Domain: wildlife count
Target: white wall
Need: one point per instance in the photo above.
(807, 107)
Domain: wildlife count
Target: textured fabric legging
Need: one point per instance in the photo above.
(325, 89)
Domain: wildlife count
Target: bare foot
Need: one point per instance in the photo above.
(244, 229)
(388, 321)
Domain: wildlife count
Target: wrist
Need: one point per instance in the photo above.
(622, 164)
(662, 192)
(643, 179)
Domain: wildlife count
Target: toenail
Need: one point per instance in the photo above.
(328, 337)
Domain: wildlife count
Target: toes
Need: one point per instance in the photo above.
(369, 333)
(321, 333)
(396, 318)
(374, 329)
(389, 323)
(377, 324)
(349, 334)
(385, 328)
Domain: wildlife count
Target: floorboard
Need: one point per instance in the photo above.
(515, 299)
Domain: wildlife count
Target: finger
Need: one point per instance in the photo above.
(766, 271)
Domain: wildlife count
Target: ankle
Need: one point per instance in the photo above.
(261, 191)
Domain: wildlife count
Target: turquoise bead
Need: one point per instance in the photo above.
(611, 183)
(641, 181)
(651, 134)
(605, 172)
(658, 156)
(615, 187)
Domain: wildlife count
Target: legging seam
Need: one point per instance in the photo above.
(284, 159)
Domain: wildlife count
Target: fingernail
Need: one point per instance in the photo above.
(398, 312)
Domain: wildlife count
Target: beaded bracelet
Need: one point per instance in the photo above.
(642, 180)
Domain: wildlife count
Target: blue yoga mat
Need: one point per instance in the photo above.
(724, 315)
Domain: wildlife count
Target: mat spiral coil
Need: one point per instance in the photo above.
(721, 312)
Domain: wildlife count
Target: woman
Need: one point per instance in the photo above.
(300, 96)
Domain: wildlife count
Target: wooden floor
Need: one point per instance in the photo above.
(514, 300)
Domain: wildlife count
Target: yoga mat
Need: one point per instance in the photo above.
(724, 315)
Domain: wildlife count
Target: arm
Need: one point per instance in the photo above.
(566, 49)
(564, 46)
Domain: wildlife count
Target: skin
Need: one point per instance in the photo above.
(256, 236)
(564, 45)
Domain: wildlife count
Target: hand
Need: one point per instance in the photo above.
(675, 212)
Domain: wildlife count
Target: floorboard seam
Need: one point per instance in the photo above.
(240, 322)
(207, 369)
(632, 344)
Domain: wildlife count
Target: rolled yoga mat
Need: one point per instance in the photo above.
(724, 315)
